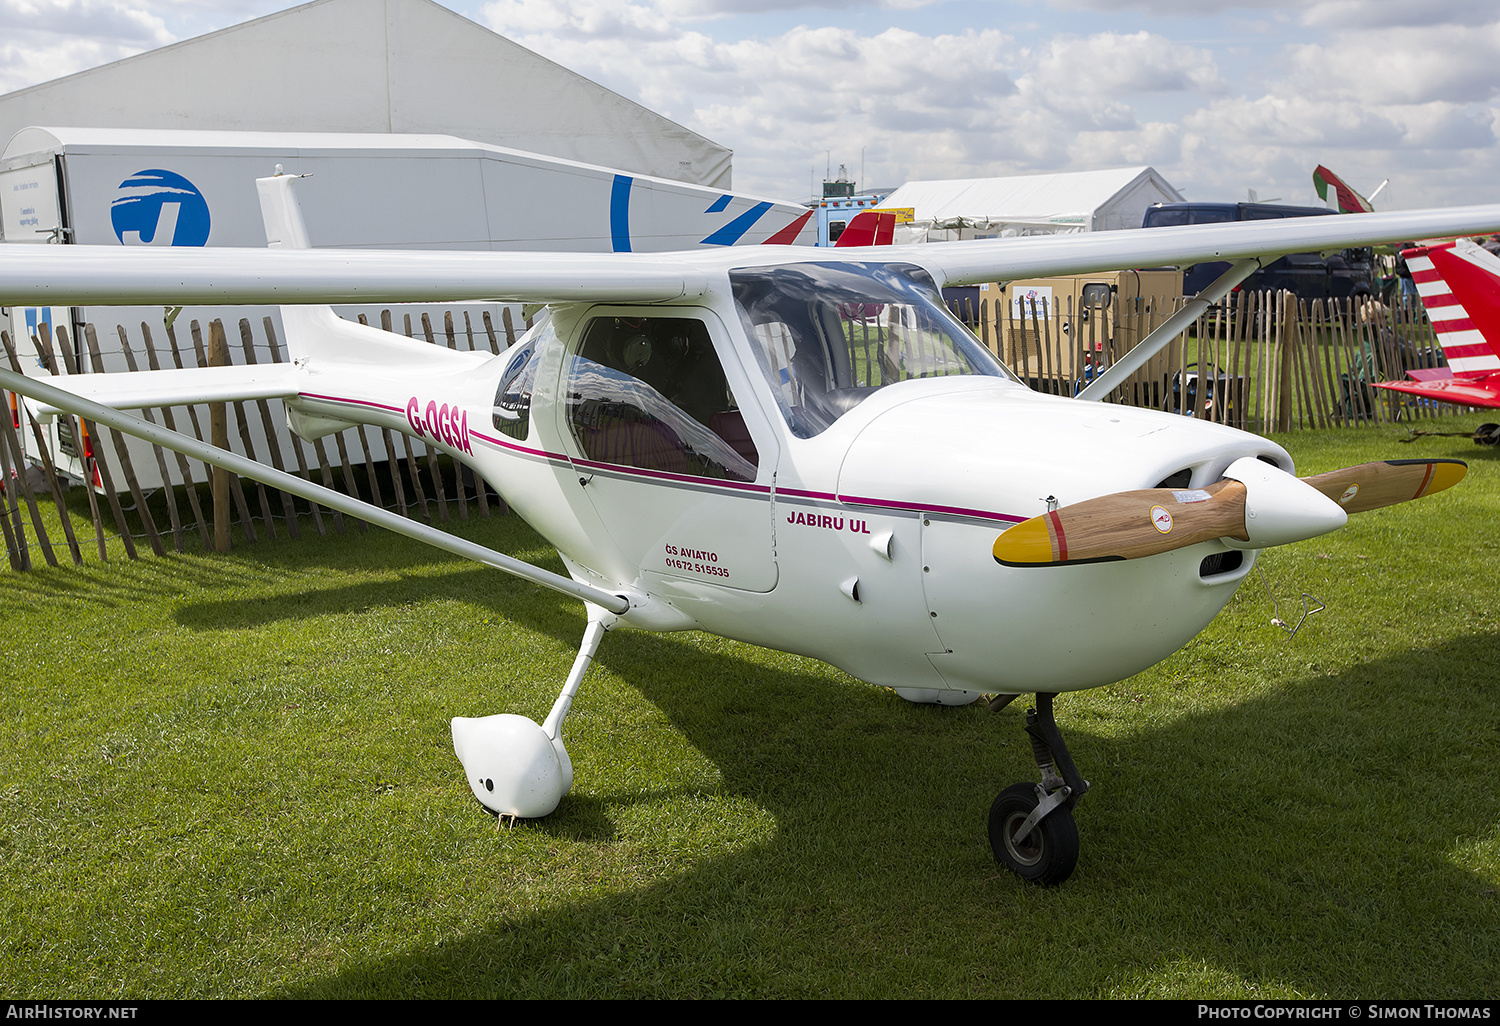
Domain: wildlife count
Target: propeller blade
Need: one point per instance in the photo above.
(1373, 485)
(1255, 506)
(1126, 525)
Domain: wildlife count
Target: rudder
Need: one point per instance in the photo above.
(1460, 286)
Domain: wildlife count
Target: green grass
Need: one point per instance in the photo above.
(232, 776)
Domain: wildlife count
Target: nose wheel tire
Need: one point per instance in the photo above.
(1045, 856)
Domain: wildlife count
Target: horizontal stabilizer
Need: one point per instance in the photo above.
(45, 392)
(1483, 391)
(137, 389)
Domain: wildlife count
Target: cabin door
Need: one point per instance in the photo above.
(679, 471)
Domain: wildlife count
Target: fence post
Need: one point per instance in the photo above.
(112, 497)
(47, 467)
(168, 489)
(236, 489)
(218, 419)
(1286, 331)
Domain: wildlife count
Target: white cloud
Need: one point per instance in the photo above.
(119, 24)
(1173, 8)
(1217, 101)
(47, 39)
(1401, 65)
(713, 8)
(1088, 82)
(583, 19)
(899, 96)
(908, 105)
(1156, 143)
(1370, 14)
(1279, 121)
(1329, 13)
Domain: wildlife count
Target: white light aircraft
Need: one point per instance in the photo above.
(792, 447)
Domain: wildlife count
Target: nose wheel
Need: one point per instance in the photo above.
(1031, 826)
(1041, 851)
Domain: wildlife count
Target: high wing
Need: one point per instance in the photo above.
(137, 276)
(1460, 286)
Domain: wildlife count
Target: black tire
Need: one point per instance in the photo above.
(1487, 434)
(1048, 855)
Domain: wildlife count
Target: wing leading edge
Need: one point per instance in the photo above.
(140, 276)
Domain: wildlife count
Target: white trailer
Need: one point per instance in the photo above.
(132, 187)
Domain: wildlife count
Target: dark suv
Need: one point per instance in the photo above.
(1349, 272)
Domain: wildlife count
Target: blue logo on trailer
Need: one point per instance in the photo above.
(159, 208)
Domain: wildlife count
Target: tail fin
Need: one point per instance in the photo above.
(1460, 286)
(280, 212)
(1350, 202)
(372, 370)
(869, 228)
(316, 333)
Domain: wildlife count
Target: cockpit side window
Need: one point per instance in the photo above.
(512, 414)
(650, 392)
(828, 336)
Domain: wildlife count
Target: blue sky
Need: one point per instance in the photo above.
(1229, 97)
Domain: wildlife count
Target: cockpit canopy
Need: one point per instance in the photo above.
(828, 336)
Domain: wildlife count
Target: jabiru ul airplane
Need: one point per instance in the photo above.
(792, 447)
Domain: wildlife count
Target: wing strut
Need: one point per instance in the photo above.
(42, 392)
(1170, 329)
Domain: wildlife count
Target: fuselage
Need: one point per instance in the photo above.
(821, 471)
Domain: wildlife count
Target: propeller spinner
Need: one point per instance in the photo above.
(1255, 506)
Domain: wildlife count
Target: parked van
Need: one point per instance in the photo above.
(1349, 272)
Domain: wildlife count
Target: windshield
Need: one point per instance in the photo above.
(828, 336)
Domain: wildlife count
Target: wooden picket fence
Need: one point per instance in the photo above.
(1260, 361)
(413, 481)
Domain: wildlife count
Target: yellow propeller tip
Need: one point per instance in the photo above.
(1027, 544)
(1446, 475)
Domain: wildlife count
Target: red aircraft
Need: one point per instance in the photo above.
(1460, 285)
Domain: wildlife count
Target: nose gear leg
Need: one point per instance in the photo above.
(1031, 826)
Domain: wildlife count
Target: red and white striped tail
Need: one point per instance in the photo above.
(1460, 286)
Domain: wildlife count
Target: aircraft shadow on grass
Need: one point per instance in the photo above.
(1331, 807)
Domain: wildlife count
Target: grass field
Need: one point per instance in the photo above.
(232, 776)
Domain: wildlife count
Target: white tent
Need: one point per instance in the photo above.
(983, 208)
(402, 66)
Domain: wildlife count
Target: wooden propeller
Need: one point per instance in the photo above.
(1267, 508)
(1373, 485)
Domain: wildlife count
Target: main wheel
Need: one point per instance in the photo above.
(1049, 853)
(1487, 434)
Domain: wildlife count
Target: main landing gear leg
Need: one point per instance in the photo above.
(515, 766)
(1031, 825)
